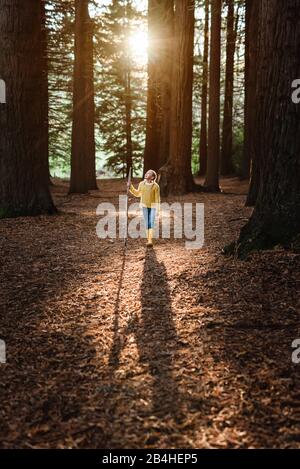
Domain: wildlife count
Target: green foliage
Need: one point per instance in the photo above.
(118, 80)
(238, 148)
(121, 83)
(120, 86)
(195, 148)
(60, 28)
(238, 104)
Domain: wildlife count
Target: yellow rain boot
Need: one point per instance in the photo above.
(147, 233)
(150, 238)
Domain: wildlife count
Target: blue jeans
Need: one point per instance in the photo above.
(149, 217)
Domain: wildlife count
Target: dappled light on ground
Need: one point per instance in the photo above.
(169, 347)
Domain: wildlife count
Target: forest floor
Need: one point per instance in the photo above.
(158, 348)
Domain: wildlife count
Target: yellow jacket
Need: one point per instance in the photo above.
(149, 194)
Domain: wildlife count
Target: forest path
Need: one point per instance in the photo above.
(165, 347)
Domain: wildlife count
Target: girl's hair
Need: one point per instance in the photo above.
(154, 173)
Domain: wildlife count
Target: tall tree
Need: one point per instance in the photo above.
(227, 167)
(128, 93)
(160, 27)
(120, 77)
(153, 97)
(212, 176)
(176, 173)
(204, 97)
(24, 175)
(83, 166)
(60, 19)
(276, 216)
(45, 81)
(167, 58)
(128, 113)
(251, 55)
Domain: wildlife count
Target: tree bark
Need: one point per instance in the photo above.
(128, 113)
(24, 177)
(250, 155)
(83, 164)
(167, 59)
(160, 62)
(128, 91)
(204, 97)
(227, 167)
(45, 81)
(212, 177)
(276, 216)
(176, 174)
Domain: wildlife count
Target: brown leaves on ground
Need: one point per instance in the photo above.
(167, 348)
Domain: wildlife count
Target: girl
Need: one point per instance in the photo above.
(148, 191)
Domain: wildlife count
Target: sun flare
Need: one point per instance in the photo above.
(138, 45)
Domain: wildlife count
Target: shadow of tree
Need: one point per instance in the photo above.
(43, 391)
(156, 337)
(47, 401)
(249, 345)
(114, 355)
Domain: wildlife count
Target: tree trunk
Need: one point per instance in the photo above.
(160, 25)
(126, 59)
(204, 97)
(153, 119)
(128, 112)
(250, 154)
(167, 58)
(276, 217)
(45, 81)
(212, 177)
(176, 174)
(227, 167)
(90, 104)
(24, 177)
(83, 165)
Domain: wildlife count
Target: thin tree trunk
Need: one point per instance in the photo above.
(153, 124)
(227, 166)
(250, 154)
(204, 97)
(176, 175)
(128, 106)
(24, 176)
(90, 106)
(83, 166)
(160, 62)
(212, 177)
(276, 216)
(46, 84)
(127, 91)
(167, 59)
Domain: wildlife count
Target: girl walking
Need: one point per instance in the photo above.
(149, 193)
